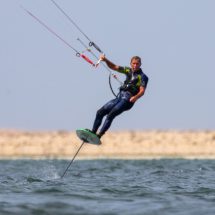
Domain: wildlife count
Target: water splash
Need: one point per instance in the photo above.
(50, 172)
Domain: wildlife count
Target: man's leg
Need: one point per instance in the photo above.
(102, 112)
(120, 107)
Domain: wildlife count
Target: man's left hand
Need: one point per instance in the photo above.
(133, 99)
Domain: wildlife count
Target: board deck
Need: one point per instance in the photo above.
(88, 136)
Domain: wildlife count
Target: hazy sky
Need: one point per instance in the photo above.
(44, 86)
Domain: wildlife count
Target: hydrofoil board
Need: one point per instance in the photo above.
(88, 136)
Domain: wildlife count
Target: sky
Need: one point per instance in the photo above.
(44, 86)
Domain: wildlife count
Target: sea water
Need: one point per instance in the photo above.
(165, 186)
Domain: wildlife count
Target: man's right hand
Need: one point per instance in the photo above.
(102, 57)
(109, 63)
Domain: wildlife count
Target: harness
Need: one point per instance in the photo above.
(132, 82)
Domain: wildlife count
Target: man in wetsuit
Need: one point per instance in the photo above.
(132, 89)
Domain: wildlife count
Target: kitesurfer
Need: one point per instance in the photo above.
(133, 88)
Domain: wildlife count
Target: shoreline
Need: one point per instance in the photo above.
(152, 144)
(111, 158)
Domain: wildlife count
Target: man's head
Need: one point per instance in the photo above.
(135, 63)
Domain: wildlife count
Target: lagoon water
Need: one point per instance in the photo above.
(166, 186)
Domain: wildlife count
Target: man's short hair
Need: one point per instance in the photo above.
(136, 58)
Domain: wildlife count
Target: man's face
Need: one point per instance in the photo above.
(135, 65)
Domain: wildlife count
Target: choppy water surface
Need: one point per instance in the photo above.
(172, 186)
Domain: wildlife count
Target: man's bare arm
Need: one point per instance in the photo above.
(109, 63)
(139, 94)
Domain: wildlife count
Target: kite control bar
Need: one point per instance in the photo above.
(91, 43)
(78, 54)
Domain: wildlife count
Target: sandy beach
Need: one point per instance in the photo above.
(121, 144)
